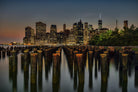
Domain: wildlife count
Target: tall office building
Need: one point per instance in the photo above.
(80, 33)
(29, 32)
(85, 34)
(90, 27)
(125, 24)
(64, 27)
(29, 36)
(116, 27)
(86, 25)
(53, 34)
(75, 26)
(80, 25)
(53, 29)
(99, 24)
(40, 30)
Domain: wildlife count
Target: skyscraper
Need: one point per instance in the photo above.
(80, 33)
(80, 25)
(75, 26)
(29, 32)
(100, 22)
(116, 28)
(85, 34)
(40, 30)
(64, 27)
(125, 24)
(90, 27)
(29, 36)
(53, 34)
(86, 25)
(53, 29)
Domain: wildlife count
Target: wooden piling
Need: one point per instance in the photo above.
(124, 61)
(33, 72)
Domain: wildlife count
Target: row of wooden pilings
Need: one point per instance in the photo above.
(76, 62)
(32, 57)
(77, 55)
(6, 50)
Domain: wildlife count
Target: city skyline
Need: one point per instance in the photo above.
(15, 17)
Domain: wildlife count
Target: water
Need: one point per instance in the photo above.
(68, 77)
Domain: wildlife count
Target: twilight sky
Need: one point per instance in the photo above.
(15, 15)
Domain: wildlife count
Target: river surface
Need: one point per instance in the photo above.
(68, 77)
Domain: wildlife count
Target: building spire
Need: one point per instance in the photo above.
(116, 23)
(100, 16)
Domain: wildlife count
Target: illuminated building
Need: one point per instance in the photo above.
(77, 35)
(29, 36)
(80, 33)
(99, 24)
(53, 34)
(64, 27)
(40, 30)
(86, 34)
(29, 32)
(125, 24)
(71, 39)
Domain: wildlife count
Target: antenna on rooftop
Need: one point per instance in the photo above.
(100, 16)
(116, 23)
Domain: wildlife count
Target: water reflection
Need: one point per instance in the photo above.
(37, 65)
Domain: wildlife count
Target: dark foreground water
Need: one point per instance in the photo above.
(68, 77)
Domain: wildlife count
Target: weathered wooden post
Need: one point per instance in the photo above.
(90, 56)
(0, 54)
(13, 67)
(75, 74)
(48, 61)
(14, 55)
(3, 53)
(79, 58)
(33, 72)
(75, 52)
(124, 73)
(8, 52)
(24, 57)
(22, 62)
(90, 64)
(136, 70)
(56, 72)
(104, 72)
(26, 54)
(26, 73)
(40, 63)
(124, 61)
(10, 68)
(58, 52)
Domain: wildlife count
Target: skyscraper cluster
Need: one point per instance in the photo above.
(79, 34)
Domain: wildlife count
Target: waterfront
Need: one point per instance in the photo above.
(66, 74)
